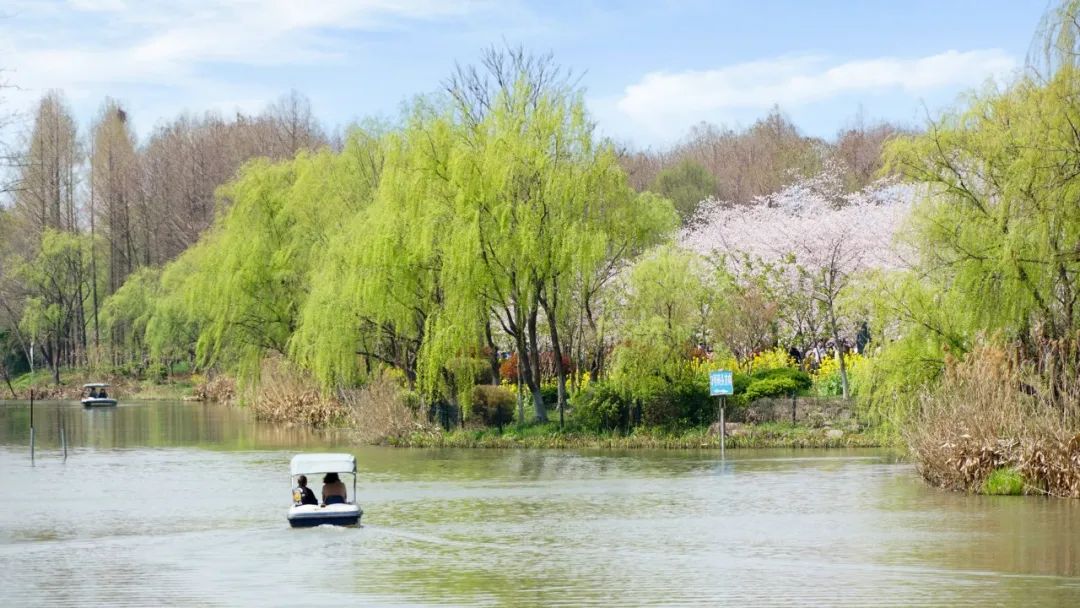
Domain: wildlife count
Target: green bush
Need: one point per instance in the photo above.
(181, 368)
(601, 407)
(771, 387)
(157, 373)
(550, 393)
(740, 382)
(1004, 482)
(493, 405)
(802, 380)
(677, 403)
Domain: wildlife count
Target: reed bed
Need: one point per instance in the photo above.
(998, 410)
(221, 389)
(287, 394)
(383, 412)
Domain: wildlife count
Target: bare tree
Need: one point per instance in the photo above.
(114, 174)
(46, 183)
(291, 126)
(475, 88)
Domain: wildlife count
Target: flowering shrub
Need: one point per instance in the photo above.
(827, 376)
(769, 359)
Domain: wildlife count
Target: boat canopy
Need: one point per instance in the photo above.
(311, 464)
(95, 385)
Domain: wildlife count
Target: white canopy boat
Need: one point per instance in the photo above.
(338, 514)
(95, 394)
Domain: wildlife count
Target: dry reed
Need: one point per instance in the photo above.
(287, 394)
(1002, 408)
(381, 412)
(221, 389)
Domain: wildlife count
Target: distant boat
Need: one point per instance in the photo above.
(335, 514)
(96, 395)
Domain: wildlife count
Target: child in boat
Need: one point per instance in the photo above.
(333, 491)
(303, 495)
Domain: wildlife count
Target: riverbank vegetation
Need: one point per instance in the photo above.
(487, 271)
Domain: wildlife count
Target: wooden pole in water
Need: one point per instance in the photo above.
(63, 436)
(31, 426)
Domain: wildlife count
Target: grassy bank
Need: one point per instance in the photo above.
(766, 435)
(71, 381)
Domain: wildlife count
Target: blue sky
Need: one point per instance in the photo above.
(650, 69)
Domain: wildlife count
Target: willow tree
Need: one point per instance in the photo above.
(539, 204)
(1000, 224)
(251, 274)
(377, 283)
(128, 312)
(669, 299)
(998, 230)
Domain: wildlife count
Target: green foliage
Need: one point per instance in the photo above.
(740, 382)
(493, 405)
(401, 250)
(664, 317)
(682, 404)
(771, 387)
(126, 314)
(665, 314)
(1004, 482)
(800, 379)
(601, 407)
(57, 282)
(686, 185)
(239, 290)
(157, 373)
(999, 245)
(549, 392)
(995, 234)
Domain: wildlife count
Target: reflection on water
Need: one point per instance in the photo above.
(183, 504)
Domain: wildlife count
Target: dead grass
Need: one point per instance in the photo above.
(221, 389)
(382, 412)
(287, 394)
(1000, 409)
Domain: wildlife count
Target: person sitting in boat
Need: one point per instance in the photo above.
(93, 393)
(101, 394)
(303, 495)
(333, 491)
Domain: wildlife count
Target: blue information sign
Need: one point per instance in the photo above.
(720, 383)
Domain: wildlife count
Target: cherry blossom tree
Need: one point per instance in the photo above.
(806, 242)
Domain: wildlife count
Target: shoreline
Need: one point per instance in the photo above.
(769, 435)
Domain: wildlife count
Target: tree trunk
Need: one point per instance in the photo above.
(493, 354)
(526, 375)
(556, 347)
(839, 348)
(534, 354)
(56, 360)
(7, 379)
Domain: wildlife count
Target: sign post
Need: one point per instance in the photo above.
(721, 384)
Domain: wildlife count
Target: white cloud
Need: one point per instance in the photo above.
(666, 101)
(92, 48)
(173, 38)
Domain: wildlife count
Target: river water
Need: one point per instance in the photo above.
(169, 503)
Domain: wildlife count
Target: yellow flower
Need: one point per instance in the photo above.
(771, 359)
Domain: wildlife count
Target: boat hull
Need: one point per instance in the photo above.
(98, 402)
(307, 516)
